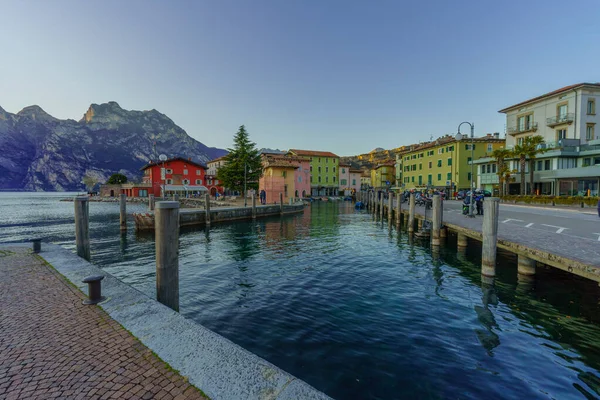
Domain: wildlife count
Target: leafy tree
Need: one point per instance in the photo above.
(89, 182)
(243, 155)
(528, 149)
(116, 179)
(502, 166)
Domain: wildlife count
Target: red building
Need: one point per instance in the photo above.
(175, 175)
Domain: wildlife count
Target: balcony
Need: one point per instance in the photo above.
(515, 130)
(560, 119)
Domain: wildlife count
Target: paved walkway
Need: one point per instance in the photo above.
(53, 346)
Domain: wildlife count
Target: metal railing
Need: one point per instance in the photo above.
(560, 119)
(513, 130)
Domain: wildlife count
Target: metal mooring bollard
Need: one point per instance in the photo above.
(37, 245)
(94, 289)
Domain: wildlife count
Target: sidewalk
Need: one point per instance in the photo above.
(53, 346)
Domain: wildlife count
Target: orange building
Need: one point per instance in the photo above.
(279, 176)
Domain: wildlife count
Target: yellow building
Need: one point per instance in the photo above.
(383, 176)
(445, 163)
(365, 180)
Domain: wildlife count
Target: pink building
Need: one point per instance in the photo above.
(302, 178)
(284, 174)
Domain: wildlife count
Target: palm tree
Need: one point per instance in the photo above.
(528, 149)
(501, 155)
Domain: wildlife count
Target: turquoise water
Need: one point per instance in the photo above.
(354, 307)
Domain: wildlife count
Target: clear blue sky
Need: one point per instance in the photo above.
(341, 76)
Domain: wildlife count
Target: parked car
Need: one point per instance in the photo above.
(461, 194)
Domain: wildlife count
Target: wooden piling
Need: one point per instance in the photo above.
(490, 236)
(151, 201)
(207, 208)
(436, 220)
(82, 224)
(525, 265)
(381, 205)
(123, 211)
(398, 209)
(281, 203)
(462, 240)
(390, 207)
(253, 207)
(166, 227)
(411, 213)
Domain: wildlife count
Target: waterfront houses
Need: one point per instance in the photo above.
(323, 171)
(365, 180)
(445, 163)
(174, 176)
(383, 176)
(568, 121)
(284, 174)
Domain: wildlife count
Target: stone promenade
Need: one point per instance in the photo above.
(53, 346)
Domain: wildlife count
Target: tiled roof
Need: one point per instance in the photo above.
(185, 160)
(553, 93)
(313, 153)
(222, 158)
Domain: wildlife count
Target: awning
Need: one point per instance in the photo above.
(186, 188)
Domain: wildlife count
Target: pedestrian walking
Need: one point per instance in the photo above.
(479, 204)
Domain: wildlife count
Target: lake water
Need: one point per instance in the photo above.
(355, 308)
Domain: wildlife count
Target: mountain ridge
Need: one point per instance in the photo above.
(39, 152)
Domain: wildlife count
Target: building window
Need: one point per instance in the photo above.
(311, 168)
(547, 166)
(439, 164)
(169, 171)
(353, 182)
(334, 179)
(430, 164)
(489, 168)
(342, 182)
(319, 169)
(468, 176)
(198, 181)
(589, 132)
(439, 177)
(561, 134)
(525, 122)
(429, 179)
(319, 179)
(451, 148)
(591, 107)
(493, 168)
(284, 173)
(449, 162)
(565, 163)
(468, 160)
(420, 166)
(483, 169)
(334, 170)
(326, 179)
(539, 165)
(440, 151)
(561, 112)
(326, 169)
(449, 176)
(587, 162)
(327, 160)
(185, 171)
(198, 172)
(490, 147)
(300, 179)
(185, 181)
(169, 181)
(343, 170)
(468, 147)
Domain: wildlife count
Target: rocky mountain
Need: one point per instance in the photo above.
(372, 159)
(41, 153)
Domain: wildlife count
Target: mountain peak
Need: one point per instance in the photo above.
(104, 109)
(36, 112)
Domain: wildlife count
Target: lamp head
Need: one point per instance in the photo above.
(458, 136)
(162, 157)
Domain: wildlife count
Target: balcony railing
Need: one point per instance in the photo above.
(515, 130)
(560, 119)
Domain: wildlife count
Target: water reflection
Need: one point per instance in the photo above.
(487, 337)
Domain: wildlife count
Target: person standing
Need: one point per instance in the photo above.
(598, 207)
(479, 204)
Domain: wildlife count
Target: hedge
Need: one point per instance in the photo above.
(554, 200)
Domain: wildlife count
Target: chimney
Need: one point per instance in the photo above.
(497, 135)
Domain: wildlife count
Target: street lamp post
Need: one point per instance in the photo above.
(459, 137)
(246, 170)
(163, 158)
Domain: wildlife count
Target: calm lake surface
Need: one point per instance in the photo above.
(352, 307)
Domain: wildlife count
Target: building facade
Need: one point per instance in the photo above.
(284, 174)
(383, 176)
(323, 171)
(568, 121)
(365, 180)
(487, 174)
(446, 162)
(354, 183)
(175, 176)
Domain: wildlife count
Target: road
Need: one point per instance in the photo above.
(583, 223)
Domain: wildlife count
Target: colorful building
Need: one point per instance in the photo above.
(383, 176)
(212, 183)
(323, 169)
(284, 174)
(365, 180)
(173, 176)
(446, 163)
(354, 182)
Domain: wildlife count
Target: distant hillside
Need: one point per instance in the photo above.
(370, 160)
(41, 153)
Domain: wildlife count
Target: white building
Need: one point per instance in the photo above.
(566, 118)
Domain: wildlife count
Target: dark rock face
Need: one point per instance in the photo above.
(41, 153)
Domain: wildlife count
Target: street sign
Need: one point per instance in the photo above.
(387, 183)
(448, 183)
